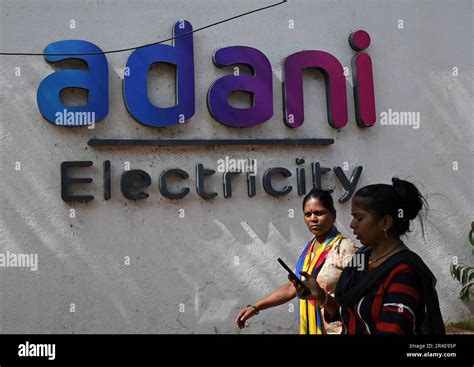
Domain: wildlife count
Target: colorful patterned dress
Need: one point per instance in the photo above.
(327, 264)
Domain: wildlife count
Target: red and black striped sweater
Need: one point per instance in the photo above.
(394, 307)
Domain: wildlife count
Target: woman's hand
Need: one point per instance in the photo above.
(244, 315)
(317, 293)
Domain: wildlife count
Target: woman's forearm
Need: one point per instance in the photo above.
(331, 307)
(282, 295)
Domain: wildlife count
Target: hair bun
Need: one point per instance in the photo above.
(412, 200)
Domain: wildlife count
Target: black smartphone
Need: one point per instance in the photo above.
(306, 290)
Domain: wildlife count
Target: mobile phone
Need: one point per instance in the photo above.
(306, 290)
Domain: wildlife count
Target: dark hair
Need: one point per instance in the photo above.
(401, 200)
(324, 198)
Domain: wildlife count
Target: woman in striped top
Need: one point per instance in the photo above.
(386, 288)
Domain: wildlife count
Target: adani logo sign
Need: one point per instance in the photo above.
(258, 84)
(181, 54)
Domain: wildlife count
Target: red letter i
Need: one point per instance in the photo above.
(364, 96)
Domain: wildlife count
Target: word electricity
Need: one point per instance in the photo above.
(134, 182)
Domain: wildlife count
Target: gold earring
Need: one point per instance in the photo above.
(385, 231)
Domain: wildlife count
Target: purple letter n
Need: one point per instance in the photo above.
(293, 101)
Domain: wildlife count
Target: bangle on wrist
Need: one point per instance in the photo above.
(326, 297)
(257, 311)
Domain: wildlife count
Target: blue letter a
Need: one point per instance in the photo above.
(95, 81)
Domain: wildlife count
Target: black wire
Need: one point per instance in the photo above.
(146, 45)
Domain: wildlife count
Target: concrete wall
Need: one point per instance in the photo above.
(222, 254)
